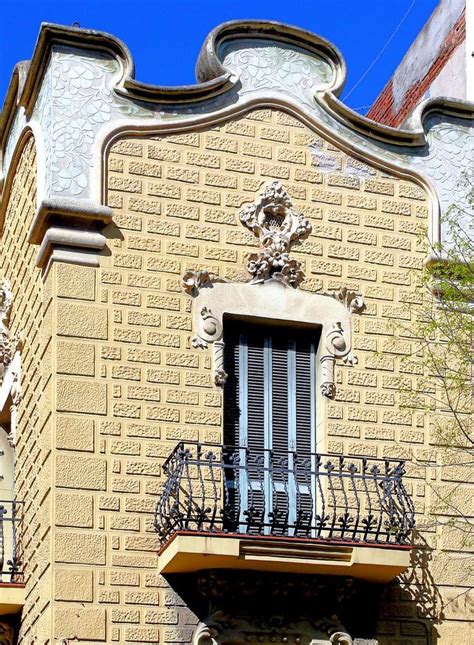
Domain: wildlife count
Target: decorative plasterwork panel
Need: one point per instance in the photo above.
(449, 163)
(79, 101)
(261, 65)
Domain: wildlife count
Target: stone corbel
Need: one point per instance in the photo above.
(69, 230)
(16, 396)
(336, 345)
(209, 330)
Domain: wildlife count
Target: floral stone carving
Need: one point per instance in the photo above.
(192, 281)
(354, 302)
(273, 219)
(9, 343)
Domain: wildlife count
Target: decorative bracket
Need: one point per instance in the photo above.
(16, 395)
(336, 342)
(353, 302)
(193, 281)
(209, 330)
(274, 221)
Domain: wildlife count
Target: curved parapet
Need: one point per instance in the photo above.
(79, 90)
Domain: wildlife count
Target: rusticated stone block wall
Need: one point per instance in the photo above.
(31, 314)
(126, 383)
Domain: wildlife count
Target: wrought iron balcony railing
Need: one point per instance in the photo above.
(11, 518)
(231, 489)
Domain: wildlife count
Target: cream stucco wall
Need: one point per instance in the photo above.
(112, 382)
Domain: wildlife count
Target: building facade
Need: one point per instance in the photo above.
(203, 323)
(439, 63)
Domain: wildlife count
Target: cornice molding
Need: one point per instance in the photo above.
(68, 230)
(213, 76)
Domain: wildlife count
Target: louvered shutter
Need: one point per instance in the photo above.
(305, 434)
(269, 413)
(278, 458)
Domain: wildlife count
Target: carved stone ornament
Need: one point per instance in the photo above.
(337, 347)
(193, 281)
(354, 302)
(16, 395)
(9, 343)
(336, 341)
(274, 221)
(204, 635)
(209, 330)
(278, 226)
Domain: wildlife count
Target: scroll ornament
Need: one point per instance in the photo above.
(16, 396)
(209, 330)
(336, 343)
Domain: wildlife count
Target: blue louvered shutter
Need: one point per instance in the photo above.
(269, 413)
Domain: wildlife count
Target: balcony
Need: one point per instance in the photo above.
(231, 507)
(11, 575)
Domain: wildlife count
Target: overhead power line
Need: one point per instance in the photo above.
(392, 36)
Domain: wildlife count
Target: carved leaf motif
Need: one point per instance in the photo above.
(354, 302)
(192, 281)
(279, 67)
(82, 101)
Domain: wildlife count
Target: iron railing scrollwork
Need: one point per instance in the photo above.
(11, 518)
(233, 489)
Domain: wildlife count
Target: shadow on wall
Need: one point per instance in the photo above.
(405, 611)
(261, 606)
(411, 606)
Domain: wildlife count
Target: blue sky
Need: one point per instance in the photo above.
(165, 36)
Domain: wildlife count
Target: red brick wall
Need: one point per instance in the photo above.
(383, 109)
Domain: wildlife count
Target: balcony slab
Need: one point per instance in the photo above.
(187, 552)
(12, 598)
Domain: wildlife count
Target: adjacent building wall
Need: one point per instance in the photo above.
(440, 62)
